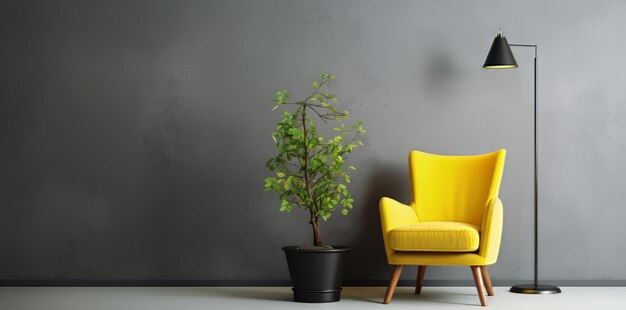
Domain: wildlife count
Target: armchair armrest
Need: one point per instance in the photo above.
(392, 215)
(491, 232)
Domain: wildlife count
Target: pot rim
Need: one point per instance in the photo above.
(335, 249)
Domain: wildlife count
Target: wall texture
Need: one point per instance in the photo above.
(133, 134)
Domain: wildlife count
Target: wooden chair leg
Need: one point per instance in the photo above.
(421, 271)
(478, 280)
(487, 280)
(392, 284)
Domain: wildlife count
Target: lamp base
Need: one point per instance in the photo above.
(535, 289)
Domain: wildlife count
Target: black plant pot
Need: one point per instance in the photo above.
(316, 274)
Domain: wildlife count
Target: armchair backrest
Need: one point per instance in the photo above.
(454, 188)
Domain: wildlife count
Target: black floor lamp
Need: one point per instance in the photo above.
(501, 57)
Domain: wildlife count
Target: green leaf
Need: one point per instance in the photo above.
(285, 206)
(280, 174)
(344, 211)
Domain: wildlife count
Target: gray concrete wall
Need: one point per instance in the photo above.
(133, 134)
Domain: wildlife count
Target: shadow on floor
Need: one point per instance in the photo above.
(376, 294)
(260, 293)
(365, 294)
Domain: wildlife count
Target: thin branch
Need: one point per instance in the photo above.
(321, 116)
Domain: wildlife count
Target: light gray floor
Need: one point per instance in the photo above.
(259, 298)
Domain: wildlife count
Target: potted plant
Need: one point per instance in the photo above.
(310, 174)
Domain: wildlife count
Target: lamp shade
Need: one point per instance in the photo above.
(500, 55)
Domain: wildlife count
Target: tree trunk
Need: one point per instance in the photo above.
(317, 239)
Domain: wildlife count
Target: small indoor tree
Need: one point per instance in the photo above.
(310, 168)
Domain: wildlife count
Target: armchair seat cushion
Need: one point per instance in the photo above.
(435, 237)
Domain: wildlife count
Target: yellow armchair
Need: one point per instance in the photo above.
(454, 219)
